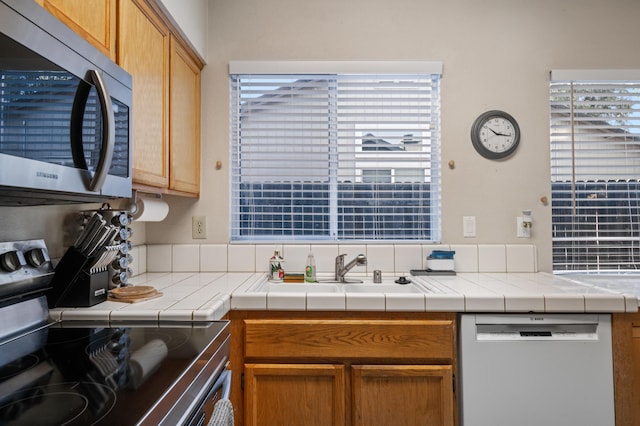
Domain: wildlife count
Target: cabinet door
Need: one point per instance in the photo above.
(94, 20)
(402, 395)
(294, 394)
(184, 174)
(143, 50)
(626, 367)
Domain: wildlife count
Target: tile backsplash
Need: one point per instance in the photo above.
(389, 258)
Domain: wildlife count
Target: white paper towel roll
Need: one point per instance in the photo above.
(146, 360)
(149, 210)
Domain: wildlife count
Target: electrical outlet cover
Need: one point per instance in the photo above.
(198, 227)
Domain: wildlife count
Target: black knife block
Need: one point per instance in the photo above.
(73, 285)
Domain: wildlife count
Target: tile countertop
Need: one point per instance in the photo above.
(186, 296)
(209, 296)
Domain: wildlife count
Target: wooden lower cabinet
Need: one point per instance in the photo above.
(626, 367)
(362, 369)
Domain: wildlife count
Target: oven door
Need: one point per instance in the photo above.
(190, 398)
(218, 388)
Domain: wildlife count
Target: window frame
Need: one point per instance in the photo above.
(374, 68)
(594, 129)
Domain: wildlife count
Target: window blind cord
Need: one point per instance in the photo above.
(573, 151)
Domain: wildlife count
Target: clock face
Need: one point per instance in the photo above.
(495, 134)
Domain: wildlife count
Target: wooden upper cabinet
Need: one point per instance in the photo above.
(94, 20)
(143, 51)
(184, 172)
(166, 86)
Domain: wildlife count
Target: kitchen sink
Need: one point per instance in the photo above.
(330, 286)
(383, 288)
(270, 287)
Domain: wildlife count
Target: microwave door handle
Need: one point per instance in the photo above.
(108, 132)
(93, 79)
(77, 117)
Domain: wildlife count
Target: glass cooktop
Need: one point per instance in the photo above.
(90, 373)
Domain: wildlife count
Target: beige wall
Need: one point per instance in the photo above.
(496, 53)
(191, 18)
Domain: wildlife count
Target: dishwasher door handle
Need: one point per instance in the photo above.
(535, 334)
(551, 333)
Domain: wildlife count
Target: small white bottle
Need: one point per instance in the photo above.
(276, 269)
(310, 270)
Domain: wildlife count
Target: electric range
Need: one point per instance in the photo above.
(95, 373)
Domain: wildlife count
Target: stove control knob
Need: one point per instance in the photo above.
(12, 261)
(36, 257)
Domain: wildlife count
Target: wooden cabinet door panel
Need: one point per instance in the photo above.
(294, 394)
(184, 174)
(143, 51)
(94, 20)
(402, 395)
(625, 330)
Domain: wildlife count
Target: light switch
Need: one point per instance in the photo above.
(469, 226)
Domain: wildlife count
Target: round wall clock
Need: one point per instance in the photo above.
(495, 134)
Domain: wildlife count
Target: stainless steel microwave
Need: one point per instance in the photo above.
(65, 113)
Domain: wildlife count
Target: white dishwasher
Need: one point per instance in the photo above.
(536, 370)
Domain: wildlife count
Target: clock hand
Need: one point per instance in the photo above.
(496, 133)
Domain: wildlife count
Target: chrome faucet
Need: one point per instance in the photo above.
(342, 269)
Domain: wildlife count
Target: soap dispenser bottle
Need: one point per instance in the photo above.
(310, 270)
(276, 267)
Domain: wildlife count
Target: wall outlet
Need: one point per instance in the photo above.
(519, 227)
(199, 227)
(521, 230)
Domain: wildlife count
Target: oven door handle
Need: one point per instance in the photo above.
(223, 382)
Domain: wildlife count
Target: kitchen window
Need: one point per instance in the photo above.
(326, 151)
(595, 170)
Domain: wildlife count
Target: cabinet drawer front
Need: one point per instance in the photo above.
(393, 339)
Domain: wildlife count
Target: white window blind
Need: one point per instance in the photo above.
(335, 157)
(595, 171)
